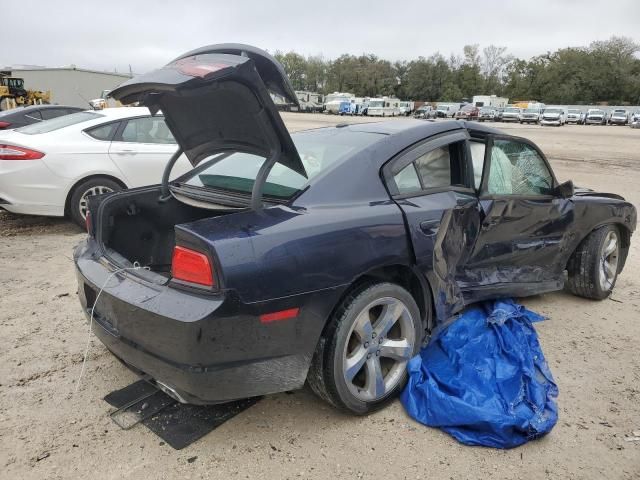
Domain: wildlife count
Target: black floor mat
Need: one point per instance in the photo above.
(177, 424)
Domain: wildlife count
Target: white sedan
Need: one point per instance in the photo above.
(52, 167)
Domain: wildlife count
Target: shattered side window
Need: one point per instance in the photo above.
(518, 169)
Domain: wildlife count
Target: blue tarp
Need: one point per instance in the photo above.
(483, 378)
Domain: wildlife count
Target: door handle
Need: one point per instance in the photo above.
(126, 152)
(430, 227)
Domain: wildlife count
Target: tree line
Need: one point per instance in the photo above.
(605, 71)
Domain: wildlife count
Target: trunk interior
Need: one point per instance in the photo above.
(136, 227)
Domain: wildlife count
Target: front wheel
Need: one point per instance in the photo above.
(594, 266)
(78, 203)
(360, 362)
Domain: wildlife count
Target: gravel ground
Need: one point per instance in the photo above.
(48, 431)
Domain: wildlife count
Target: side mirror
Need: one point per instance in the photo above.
(565, 190)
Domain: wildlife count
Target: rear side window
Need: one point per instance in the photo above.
(49, 113)
(32, 117)
(434, 168)
(147, 130)
(438, 168)
(58, 123)
(103, 132)
(407, 180)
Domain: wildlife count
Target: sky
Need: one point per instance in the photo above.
(147, 34)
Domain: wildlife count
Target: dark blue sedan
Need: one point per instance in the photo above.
(326, 256)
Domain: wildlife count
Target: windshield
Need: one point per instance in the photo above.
(318, 149)
(376, 103)
(619, 112)
(58, 123)
(596, 112)
(443, 107)
(486, 110)
(553, 110)
(574, 111)
(512, 110)
(532, 110)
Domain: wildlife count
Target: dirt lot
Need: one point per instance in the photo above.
(47, 431)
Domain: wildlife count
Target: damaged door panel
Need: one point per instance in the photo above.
(525, 225)
(432, 183)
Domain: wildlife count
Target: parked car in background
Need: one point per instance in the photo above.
(468, 112)
(511, 114)
(425, 111)
(445, 111)
(486, 114)
(347, 108)
(575, 116)
(21, 116)
(498, 115)
(554, 116)
(530, 115)
(595, 116)
(635, 120)
(619, 117)
(405, 108)
(267, 271)
(53, 167)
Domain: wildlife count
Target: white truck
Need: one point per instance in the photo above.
(407, 108)
(384, 107)
(309, 101)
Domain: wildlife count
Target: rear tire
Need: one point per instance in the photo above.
(92, 186)
(359, 365)
(594, 266)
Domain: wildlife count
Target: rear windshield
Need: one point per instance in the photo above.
(58, 123)
(318, 149)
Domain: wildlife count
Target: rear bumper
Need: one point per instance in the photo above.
(28, 187)
(206, 348)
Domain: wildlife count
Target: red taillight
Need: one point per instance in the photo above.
(5, 124)
(191, 266)
(281, 315)
(11, 152)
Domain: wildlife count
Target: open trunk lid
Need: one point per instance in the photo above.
(216, 99)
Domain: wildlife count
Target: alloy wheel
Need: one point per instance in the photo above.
(609, 261)
(83, 205)
(378, 347)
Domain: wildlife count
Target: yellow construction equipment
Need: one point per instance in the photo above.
(13, 94)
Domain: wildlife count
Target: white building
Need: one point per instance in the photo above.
(68, 85)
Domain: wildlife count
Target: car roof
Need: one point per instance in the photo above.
(419, 129)
(31, 108)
